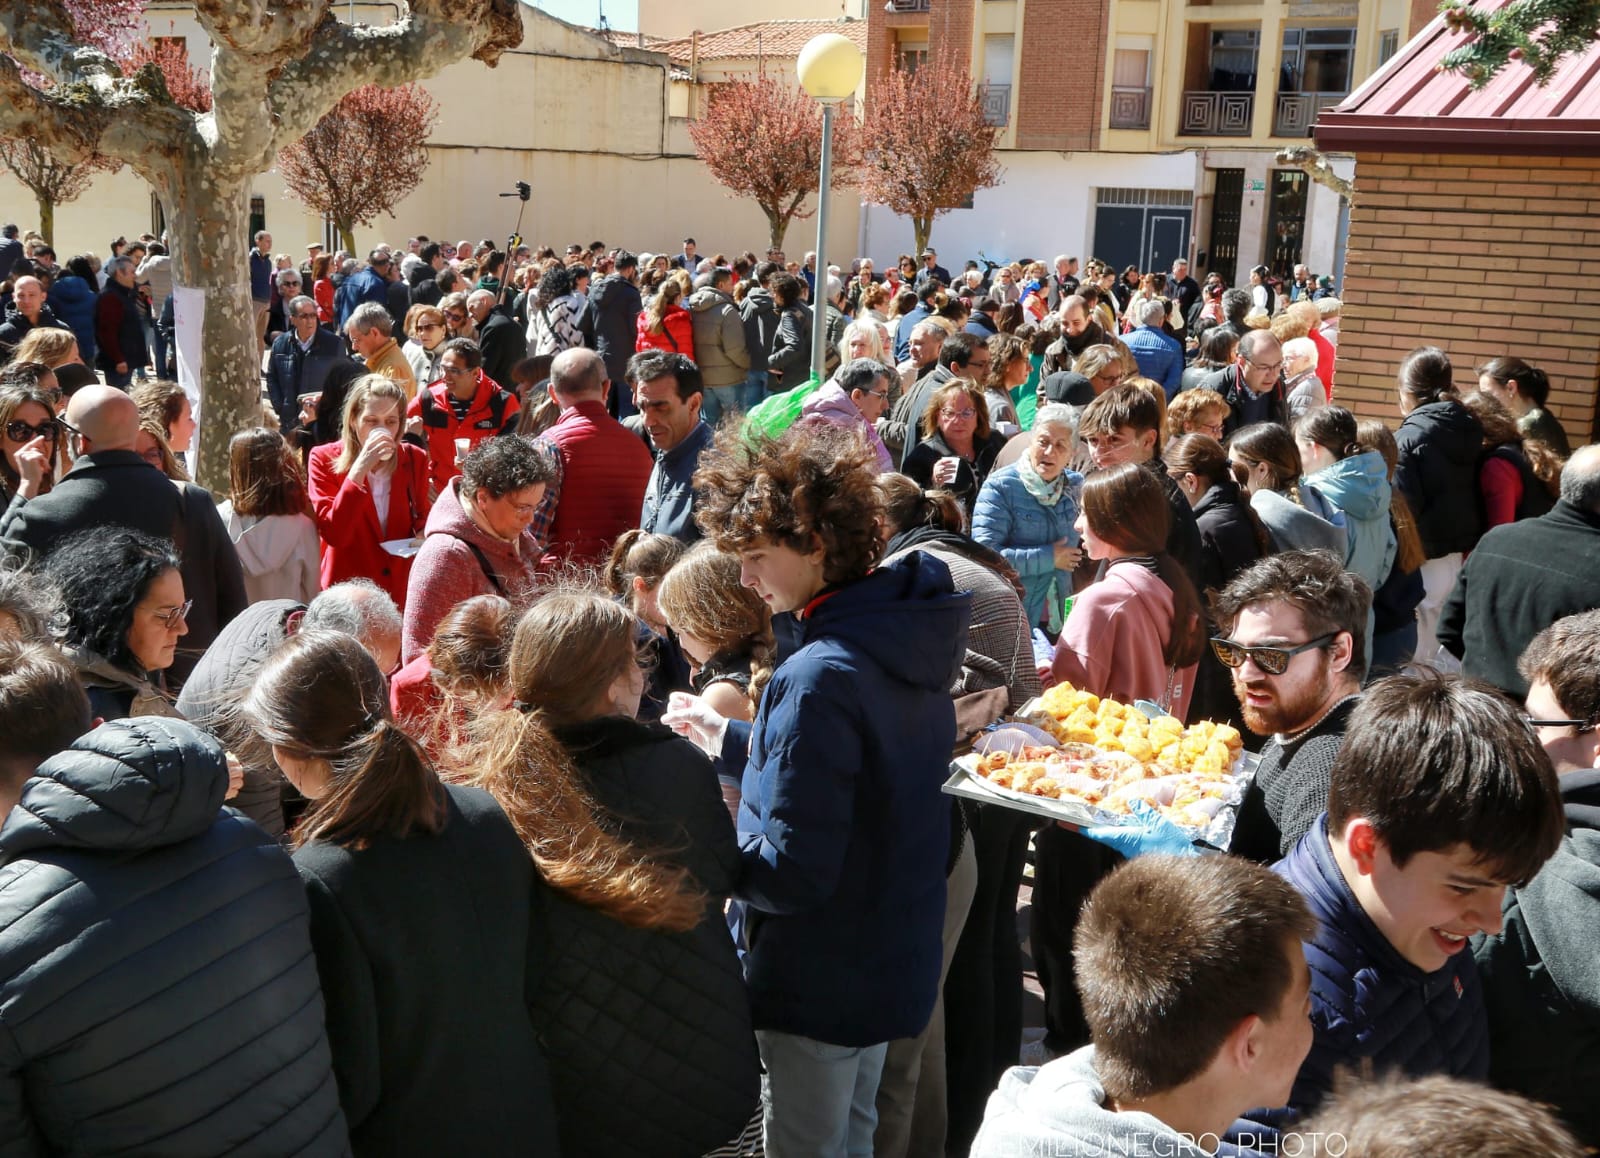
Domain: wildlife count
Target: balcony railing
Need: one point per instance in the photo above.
(1216, 114)
(996, 103)
(911, 5)
(1296, 113)
(1130, 107)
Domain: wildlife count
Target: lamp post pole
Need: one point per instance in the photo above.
(819, 303)
(829, 68)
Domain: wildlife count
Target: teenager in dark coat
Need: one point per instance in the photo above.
(420, 897)
(634, 986)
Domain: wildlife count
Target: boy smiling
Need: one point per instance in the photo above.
(1440, 798)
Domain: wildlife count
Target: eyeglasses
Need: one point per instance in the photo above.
(959, 415)
(455, 317)
(173, 616)
(1581, 726)
(883, 394)
(1272, 369)
(425, 327)
(1212, 428)
(19, 431)
(1272, 660)
(456, 370)
(306, 316)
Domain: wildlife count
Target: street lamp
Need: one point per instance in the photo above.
(829, 69)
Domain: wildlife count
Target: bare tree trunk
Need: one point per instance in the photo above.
(777, 226)
(347, 236)
(209, 219)
(922, 227)
(47, 217)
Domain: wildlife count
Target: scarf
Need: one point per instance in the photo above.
(1048, 493)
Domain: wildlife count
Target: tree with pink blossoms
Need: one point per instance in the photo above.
(277, 67)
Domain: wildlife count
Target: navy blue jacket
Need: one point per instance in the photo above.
(72, 301)
(1370, 1003)
(668, 507)
(902, 332)
(158, 993)
(365, 285)
(843, 831)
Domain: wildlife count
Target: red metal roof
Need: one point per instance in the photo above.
(1409, 104)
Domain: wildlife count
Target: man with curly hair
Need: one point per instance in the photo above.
(844, 835)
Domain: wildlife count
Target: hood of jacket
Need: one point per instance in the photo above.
(264, 545)
(1449, 428)
(829, 401)
(1060, 1108)
(759, 299)
(703, 299)
(1358, 485)
(47, 317)
(70, 291)
(1560, 903)
(128, 785)
(907, 615)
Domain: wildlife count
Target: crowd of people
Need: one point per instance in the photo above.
(538, 747)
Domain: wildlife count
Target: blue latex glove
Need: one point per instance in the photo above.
(1153, 834)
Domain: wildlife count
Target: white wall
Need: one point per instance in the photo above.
(1044, 205)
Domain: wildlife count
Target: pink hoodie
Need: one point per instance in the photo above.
(1113, 641)
(829, 403)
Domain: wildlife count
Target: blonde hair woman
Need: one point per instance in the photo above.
(370, 489)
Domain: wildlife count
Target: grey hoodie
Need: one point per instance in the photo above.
(1059, 1109)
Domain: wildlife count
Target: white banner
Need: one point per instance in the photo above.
(188, 322)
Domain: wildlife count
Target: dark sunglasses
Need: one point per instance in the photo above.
(1581, 726)
(1272, 660)
(19, 431)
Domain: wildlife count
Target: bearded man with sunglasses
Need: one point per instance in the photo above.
(1293, 633)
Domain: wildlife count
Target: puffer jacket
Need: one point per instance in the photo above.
(16, 325)
(676, 335)
(829, 403)
(843, 831)
(158, 994)
(1359, 487)
(721, 351)
(1228, 542)
(760, 316)
(73, 300)
(648, 1033)
(1541, 976)
(1007, 519)
(1440, 444)
(217, 684)
(1367, 1001)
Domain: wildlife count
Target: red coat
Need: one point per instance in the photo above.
(348, 522)
(493, 411)
(1325, 358)
(676, 335)
(414, 697)
(604, 472)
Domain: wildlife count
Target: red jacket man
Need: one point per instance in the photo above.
(464, 405)
(604, 467)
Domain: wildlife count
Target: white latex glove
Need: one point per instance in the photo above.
(693, 719)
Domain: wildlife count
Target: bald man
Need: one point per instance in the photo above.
(501, 339)
(111, 484)
(26, 312)
(599, 490)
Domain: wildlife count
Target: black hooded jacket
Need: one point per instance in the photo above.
(158, 994)
(1440, 446)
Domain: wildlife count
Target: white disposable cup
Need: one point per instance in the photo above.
(462, 446)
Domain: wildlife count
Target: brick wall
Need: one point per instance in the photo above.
(950, 26)
(1482, 256)
(1058, 102)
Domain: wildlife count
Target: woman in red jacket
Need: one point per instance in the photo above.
(369, 489)
(666, 325)
(322, 287)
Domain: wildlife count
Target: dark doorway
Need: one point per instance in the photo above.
(1286, 220)
(1227, 209)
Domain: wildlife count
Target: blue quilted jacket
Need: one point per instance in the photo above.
(1367, 1001)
